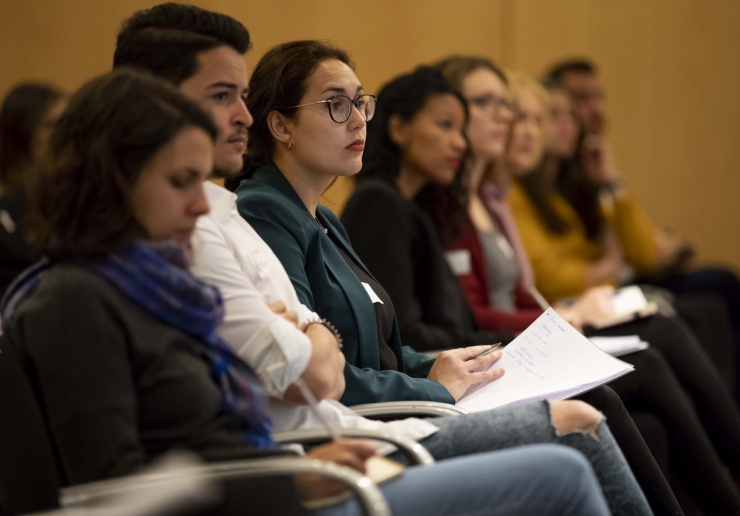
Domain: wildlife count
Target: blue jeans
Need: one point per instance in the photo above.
(538, 480)
(508, 427)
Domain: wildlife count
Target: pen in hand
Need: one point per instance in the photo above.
(491, 349)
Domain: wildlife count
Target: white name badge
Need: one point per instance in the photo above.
(370, 292)
(459, 261)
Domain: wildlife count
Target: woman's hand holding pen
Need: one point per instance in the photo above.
(459, 369)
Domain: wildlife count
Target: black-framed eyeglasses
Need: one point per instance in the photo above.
(491, 103)
(340, 106)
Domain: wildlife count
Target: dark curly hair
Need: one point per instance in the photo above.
(404, 97)
(113, 126)
(166, 39)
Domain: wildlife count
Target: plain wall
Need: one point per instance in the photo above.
(671, 70)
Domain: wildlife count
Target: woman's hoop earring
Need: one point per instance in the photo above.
(290, 144)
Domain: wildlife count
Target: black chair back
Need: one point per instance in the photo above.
(28, 469)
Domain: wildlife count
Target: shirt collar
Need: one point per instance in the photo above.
(220, 200)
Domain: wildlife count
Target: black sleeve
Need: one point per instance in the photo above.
(83, 369)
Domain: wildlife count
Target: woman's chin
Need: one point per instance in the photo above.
(351, 169)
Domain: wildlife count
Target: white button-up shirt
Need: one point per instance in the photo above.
(229, 254)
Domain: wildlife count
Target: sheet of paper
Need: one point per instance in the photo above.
(629, 303)
(629, 300)
(550, 359)
(618, 346)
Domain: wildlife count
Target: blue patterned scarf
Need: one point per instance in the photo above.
(156, 277)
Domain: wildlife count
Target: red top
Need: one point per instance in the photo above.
(477, 290)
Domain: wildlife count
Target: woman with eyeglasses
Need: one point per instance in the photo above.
(294, 154)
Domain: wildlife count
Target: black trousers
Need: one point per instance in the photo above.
(721, 282)
(708, 317)
(676, 381)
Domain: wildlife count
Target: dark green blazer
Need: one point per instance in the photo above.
(326, 284)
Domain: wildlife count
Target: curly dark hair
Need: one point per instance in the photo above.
(278, 82)
(404, 97)
(20, 115)
(166, 39)
(113, 126)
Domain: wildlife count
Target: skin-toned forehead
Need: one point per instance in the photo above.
(332, 76)
(189, 151)
(443, 104)
(483, 80)
(218, 65)
(528, 103)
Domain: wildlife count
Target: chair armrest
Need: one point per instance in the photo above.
(401, 409)
(414, 452)
(371, 499)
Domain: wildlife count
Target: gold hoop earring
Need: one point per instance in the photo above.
(290, 144)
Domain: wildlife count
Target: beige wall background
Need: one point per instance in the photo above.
(671, 69)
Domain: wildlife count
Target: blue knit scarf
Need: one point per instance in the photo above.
(156, 277)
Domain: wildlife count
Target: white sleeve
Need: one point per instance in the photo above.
(272, 346)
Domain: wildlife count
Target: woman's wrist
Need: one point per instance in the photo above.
(329, 326)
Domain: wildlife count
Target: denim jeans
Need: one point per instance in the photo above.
(508, 427)
(537, 480)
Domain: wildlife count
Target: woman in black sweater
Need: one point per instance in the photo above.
(397, 240)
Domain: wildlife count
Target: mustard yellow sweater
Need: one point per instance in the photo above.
(560, 261)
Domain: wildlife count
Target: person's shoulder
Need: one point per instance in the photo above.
(66, 290)
(375, 195)
(256, 199)
(378, 189)
(74, 283)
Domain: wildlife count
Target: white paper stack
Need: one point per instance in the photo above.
(549, 360)
(618, 346)
(629, 304)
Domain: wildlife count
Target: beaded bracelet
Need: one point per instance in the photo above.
(329, 326)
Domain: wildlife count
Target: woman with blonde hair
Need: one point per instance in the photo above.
(709, 434)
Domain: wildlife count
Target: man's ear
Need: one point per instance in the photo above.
(398, 130)
(280, 126)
